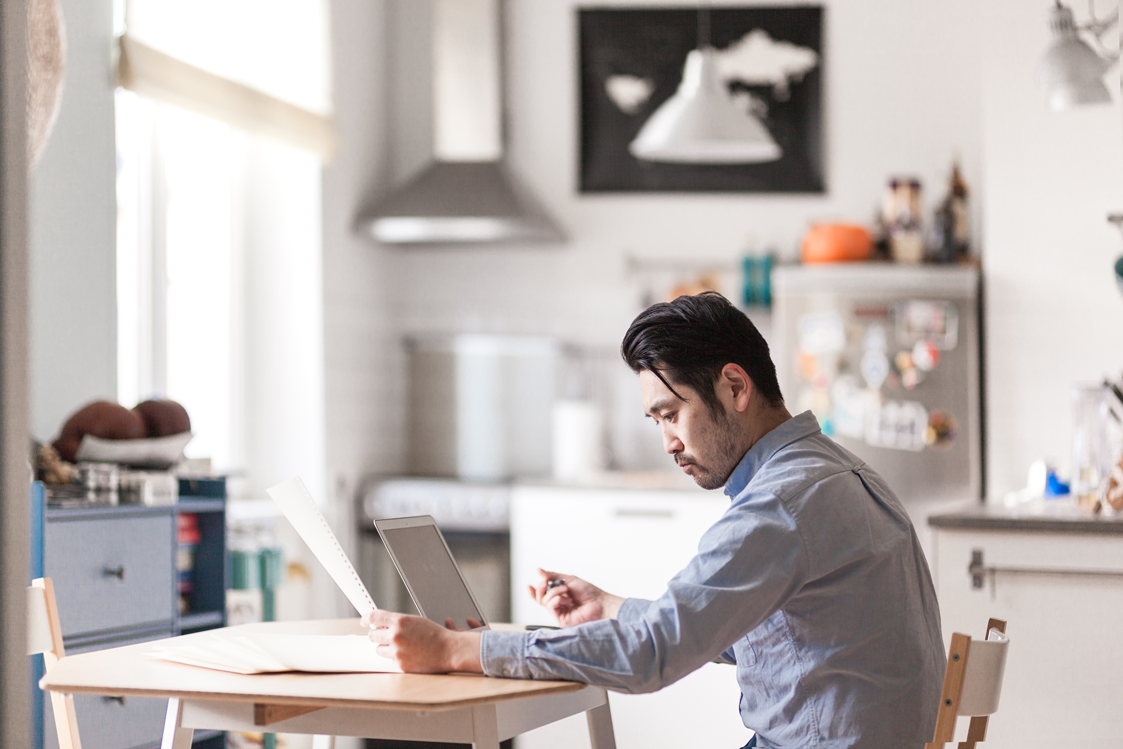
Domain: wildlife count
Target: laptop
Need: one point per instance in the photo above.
(430, 573)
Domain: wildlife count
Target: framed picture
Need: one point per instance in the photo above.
(769, 60)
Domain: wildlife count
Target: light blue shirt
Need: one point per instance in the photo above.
(812, 583)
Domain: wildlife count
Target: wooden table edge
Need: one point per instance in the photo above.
(549, 688)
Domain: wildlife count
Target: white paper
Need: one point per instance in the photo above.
(301, 510)
(333, 653)
(260, 653)
(156, 452)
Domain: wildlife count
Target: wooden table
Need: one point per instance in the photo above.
(462, 708)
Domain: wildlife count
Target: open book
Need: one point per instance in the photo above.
(328, 646)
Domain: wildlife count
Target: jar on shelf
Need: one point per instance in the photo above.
(1091, 458)
(902, 220)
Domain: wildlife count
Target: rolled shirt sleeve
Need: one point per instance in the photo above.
(726, 590)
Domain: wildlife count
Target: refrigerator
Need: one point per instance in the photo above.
(887, 358)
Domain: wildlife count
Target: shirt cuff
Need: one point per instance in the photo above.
(632, 608)
(503, 654)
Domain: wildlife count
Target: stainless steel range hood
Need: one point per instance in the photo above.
(467, 194)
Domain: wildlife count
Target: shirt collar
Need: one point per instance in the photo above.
(795, 428)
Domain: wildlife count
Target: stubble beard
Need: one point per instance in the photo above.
(722, 441)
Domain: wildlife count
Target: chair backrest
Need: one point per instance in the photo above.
(972, 684)
(44, 635)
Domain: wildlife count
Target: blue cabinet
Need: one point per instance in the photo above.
(116, 581)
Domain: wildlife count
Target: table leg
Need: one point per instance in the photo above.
(175, 735)
(485, 728)
(601, 735)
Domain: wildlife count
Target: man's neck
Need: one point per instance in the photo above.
(763, 422)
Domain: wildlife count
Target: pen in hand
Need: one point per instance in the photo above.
(550, 585)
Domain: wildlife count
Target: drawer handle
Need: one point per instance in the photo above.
(119, 700)
(981, 572)
(117, 572)
(628, 512)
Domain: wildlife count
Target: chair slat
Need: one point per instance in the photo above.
(953, 685)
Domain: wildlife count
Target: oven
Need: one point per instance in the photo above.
(474, 520)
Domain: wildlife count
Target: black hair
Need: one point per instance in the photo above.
(687, 341)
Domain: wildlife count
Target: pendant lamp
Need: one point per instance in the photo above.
(700, 124)
(1070, 71)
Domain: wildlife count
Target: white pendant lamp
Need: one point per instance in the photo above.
(1070, 71)
(700, 124)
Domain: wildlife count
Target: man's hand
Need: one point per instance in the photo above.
(574, 601)
(422, 647)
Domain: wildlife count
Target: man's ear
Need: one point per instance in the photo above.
(738, 384)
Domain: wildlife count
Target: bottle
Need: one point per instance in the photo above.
(951, 230)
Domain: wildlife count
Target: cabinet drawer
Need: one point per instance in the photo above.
(108, 722)
(110, 573)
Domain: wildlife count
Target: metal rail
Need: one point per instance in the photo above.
(981, 572)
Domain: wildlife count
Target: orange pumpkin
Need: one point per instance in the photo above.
(836, 243)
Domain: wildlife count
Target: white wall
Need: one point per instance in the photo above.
(1053, 314)
(362, 421)
(73, 215)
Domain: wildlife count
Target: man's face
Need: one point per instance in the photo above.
(705, 447)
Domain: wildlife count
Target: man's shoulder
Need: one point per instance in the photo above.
(802, 473)
(806, 458)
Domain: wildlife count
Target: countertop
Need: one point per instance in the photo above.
(1053, 516)
(614, 480)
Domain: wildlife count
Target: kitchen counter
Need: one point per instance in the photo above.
(1055, 516)
(614, 480)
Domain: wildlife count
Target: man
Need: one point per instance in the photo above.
(812, 583)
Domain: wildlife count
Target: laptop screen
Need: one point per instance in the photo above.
(431, 575)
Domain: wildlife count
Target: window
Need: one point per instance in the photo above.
(218, 283)
(219, 291)
(179, 258)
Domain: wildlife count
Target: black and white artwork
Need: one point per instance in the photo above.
(769, 60)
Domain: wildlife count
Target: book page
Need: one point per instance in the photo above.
(301, 510)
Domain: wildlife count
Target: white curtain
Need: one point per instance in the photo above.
(260, 65)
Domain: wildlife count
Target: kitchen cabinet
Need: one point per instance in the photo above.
(629, 542)
(116, 583)
(1057, 577)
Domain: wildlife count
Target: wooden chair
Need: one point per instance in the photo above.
(44, 635)
(972, 684)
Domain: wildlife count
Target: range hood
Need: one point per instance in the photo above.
(467, 194)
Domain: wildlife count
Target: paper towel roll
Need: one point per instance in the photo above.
(579, 444)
